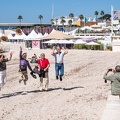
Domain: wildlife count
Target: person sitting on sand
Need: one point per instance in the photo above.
(59, 65)
(23, 67)
(3, 61)
(43, 65)
(34, 59)
(115, 80)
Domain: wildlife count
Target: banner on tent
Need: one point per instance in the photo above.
(35, 44)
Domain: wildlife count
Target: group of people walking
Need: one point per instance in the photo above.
(41, 67)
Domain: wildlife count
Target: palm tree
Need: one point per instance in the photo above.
(71, 16)
(62, 20)
(70, 22)
(20, 18)
(40, 17)
(52, 22)
(56, 20)
(96, 14)
(81, 17)
(102, 14)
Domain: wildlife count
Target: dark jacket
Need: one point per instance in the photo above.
(3, 64)
(24, 63)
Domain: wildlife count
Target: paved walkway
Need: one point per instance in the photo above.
(112, 110)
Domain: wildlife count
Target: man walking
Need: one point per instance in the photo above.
(43, 64)
(59, 53)
(23, 67)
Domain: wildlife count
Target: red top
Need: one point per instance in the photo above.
(43, 63)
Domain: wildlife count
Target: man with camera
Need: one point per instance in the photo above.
(115, 80)
(43, 65)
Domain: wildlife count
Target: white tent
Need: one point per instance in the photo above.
(45, 34)
(32, 36)
(86, 27)
(80, 42)
(40, 35)
(10, 37)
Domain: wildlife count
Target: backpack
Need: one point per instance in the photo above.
(23, 65)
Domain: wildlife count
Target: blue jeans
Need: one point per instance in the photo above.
(59, 67)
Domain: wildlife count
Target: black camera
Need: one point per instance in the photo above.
(105, 81)
(110, 69)
(32, 74)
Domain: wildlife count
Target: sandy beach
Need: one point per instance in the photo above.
(81, 95)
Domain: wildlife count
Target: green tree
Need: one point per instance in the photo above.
(107, 17)
(20, 19)
(56, 21)
(52, 22)
(71, 16)
(102, 14)
(81, 17)
(40, 18)
(96, 14)
(62, 20)
(70, 22)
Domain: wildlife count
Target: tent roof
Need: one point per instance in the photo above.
(7, 32)
(55, 34)
(32, 35)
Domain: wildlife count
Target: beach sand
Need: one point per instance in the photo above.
(81, 95)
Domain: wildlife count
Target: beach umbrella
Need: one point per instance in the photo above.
(65, 42)
(80, 42)
(51, 41)
(55, 34)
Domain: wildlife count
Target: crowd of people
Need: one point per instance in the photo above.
(41, 68)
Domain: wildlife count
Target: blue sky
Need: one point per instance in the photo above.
(31, 9)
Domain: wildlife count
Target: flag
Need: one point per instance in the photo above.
(115, 15)
(86, 20)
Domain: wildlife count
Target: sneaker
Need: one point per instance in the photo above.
(24, 93)
(56, 77)
(40, 89)
(60, 78)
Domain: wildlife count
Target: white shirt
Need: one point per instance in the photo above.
(59, 57)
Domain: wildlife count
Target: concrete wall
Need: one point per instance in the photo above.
(116, 43)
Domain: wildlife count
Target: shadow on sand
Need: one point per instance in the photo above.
(28, 92)
(35, 91)
(72, 88)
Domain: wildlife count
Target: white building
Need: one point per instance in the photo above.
(76, 18)
(116, 43)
